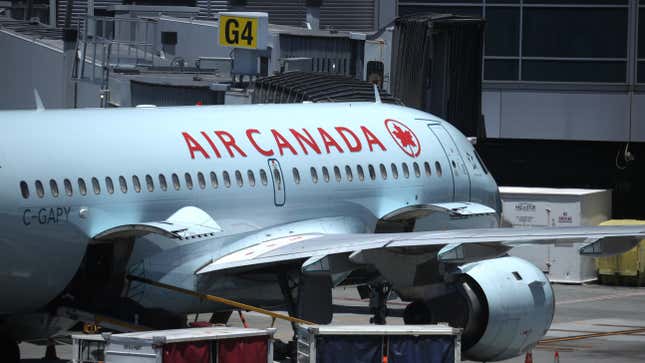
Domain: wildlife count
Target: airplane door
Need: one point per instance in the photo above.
(459, 171)
(278, 182)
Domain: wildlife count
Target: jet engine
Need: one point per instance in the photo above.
(504, 305)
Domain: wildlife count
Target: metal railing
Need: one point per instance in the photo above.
(107, 43)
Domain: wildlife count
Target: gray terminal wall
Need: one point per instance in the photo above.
(25, 65)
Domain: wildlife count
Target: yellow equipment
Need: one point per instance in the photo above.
(625, 269)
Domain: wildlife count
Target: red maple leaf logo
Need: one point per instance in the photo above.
(405, 137)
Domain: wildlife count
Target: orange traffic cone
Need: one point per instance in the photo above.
(528, 358)
(556, 357)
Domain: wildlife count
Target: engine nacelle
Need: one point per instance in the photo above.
(504, 305)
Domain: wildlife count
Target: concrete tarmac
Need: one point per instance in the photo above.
(580, 310)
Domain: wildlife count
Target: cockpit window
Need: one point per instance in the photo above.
(481, 162)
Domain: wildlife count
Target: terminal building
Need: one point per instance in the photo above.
(561, 81)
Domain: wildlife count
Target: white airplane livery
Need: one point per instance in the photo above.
(272, 205)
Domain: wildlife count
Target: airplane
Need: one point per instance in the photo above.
(270, 205)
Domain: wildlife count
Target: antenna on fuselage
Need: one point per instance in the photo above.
(377, 95)
(39, 102)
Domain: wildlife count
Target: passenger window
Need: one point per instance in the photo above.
(251, 177)
(150, 184)
(136, 184)
(314, 175)
(395, 171)
(175, 181)
(54, 187)
(238, 178)
(437, 167)
(277, 179)
(227, 179)
(406, 171)
(162, 182)
(296, 176)
(40, 190)
(201, 180)
(189, 181)
(417, 171)
(214, 181)
(68, 187)
(372, 172)
(337, 173)
(263, 177)
(426, 166)
(24, 189)
(383, 171)
(123, 184)
(348, 173)
(82, 187)
(109, 186)
(325, 173)
(96, 186)
(361, 174)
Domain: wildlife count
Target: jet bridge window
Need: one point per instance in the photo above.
(406, 171)
(325, 173)
(175, 181)
(162, 182)
(395, 171)
(68, 187)
(239, 179)
(201, 181)
(54, 187)
(227, 179)
(296, 176)
(251, 177)
(348, 173)
(383, 171)
(426, 166)
(96, 186)
(40, 191)
(361, 174)
(263, 177)
(150, 184)
(370, 169)
(109, 186)
(24, 189)
(417, 170)
(189, 181)
(136, 184)
(82, 187)
(123, 184)
(437, 167)
(214, 181)
(314, 175)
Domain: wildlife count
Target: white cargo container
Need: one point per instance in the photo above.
(193, 345)
(542, 207)
(373, 343)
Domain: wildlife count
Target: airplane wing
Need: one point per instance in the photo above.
(454, 246)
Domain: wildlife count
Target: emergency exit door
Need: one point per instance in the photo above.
(278, 182)
(456, 164)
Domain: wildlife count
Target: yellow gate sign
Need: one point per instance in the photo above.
(243, 30)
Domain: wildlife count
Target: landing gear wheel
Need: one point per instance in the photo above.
(417, 312)
(9, 351)
(379, 293)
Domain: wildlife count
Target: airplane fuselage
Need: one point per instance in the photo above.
(69, 175)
